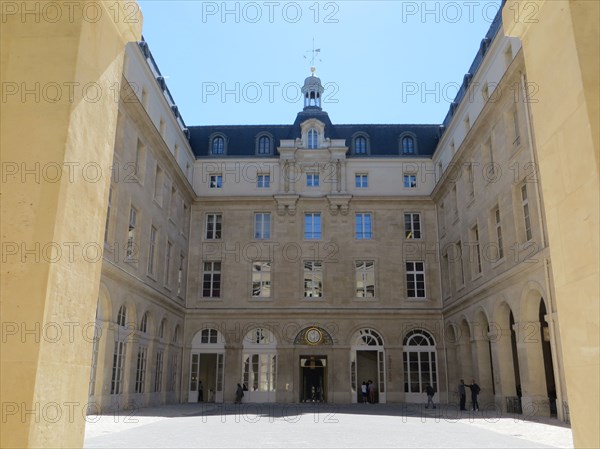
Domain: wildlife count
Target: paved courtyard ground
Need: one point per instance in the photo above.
(320, 426)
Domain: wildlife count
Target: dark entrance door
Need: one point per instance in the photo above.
(313, 371)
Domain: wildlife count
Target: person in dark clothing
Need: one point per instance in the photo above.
(239, 394)
(430, 392)
(200, 392)
(462, 394)
(474, 392)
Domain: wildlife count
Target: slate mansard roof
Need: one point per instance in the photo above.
(384, 140)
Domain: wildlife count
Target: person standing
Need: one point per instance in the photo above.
(462, 394)
(363, 389)
(474, 392)
(430, 392)
(239, 394)
(200, 392)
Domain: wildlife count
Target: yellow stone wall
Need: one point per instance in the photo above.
(59, 62)
(561, 49)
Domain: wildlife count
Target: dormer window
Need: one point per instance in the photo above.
(217, 145)
(313, 137)
(360, 145)
(408, 145)
(263, 145)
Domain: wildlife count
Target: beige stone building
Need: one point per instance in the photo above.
(301, 260)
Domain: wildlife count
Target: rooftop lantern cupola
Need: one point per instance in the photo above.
(312, 91)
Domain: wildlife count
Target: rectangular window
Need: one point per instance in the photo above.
(180, 275)
(312, 180)
(412, 226)
(139, 160)
(447, 288)
(107, 224)
(211, 280)
(361, 181)
(525, 204)
(313, 279)
(262, 226)
(470, 181)
(168, 258)
(442, 217)
(213, 226)
(158, 185)
(215, 181)
(460, 270)
(158, 372)
(415, 279)
(476, 248)
(186, 220)
(410, 181)
(312, 226)
(172, 381)
(498, 233)
(365, 279)
(131, 235)
(152, 250)
(173, 205)
(140, 372)
(517, 132)
(116, 385)
(363, 226)
(263, 181)
(261, 279)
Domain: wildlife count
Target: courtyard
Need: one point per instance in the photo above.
(321, 425)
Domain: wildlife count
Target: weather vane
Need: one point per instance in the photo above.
(315, 52)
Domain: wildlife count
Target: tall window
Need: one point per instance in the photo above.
(442, 217)
(172, 380)
(470, 181)
(161, 329)
(152, 250)
(139, 160)
(211, 280)
(412, 226)
(218, 145)
(313, 279)
(525, 205)
(215, 181)
(140, 372)
(420, 365)
(410, 181)
(361, 181)
(158, 372)
(477, 249)
(460, 270)
(408, 145)
(173, 205)
(262, 226)
(261, 279)
(365, 279)
(312, 226)
(312, 180)
(144, 323)
(415, 279)
(122, 316)
(131, 234)
(363, 226)
(313, 137)
(213, 226)
(180, 275)
(264, 145)
(517, 132)
(360, 145)
(116, 384)
(498, 232)
(263, 181)
(158, 184)
(107, 224)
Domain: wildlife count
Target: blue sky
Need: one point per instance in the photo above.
(380, 61)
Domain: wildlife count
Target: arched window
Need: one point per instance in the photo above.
(218, 145)
(264, 145)
(209, 336)
(360, 145)
(313, 137)
(368, 337)
(144, 323)
(420, 364)
(122, 316)
(161, 329)
(176, 334)
(408, 145)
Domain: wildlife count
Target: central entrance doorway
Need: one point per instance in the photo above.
(207, 362)
(313, 376)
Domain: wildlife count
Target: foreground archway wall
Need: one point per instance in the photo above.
(60, 67)
(561, 48)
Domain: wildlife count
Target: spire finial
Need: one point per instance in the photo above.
(314, 53)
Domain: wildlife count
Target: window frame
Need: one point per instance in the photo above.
(414, 272)
(317, 267)
(361, 272)
(409, 234)
(366, 229)
(214, 290)
(261, 235)
(312, 234)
